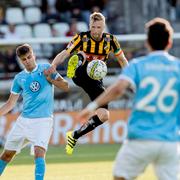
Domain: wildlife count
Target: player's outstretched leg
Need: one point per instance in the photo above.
(72, 65)
(5, 158)
(72, 137)
(71, 142)
(3, 165)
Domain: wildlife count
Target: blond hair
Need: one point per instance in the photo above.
(97, 16)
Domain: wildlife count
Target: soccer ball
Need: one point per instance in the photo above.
(96, 69)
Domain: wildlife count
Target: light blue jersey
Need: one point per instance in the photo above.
(37, 92)
(156, 78)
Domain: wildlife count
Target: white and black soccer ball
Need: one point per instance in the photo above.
(96, 69)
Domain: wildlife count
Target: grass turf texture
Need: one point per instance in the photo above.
(89, 162)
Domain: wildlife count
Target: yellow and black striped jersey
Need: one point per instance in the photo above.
(92, 48)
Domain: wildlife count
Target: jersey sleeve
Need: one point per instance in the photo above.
(129, 73)
(16, 88)
(116, 46)
(74, 44)
(55, 75)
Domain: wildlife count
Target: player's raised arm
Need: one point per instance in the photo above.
(118, 52)
(71, 47)
(61, 83)
(121, 59)
(114, 91)
(60, 58)
(9, 104)
(58, 80)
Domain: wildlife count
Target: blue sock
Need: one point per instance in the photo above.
(40, 168)
(2, 165)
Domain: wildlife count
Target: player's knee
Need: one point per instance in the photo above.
(103, 114)
(39, 152)
(7, 155)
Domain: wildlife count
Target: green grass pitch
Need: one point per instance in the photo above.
(89, 162)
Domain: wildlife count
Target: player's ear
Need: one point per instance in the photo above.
(34, 56)
(169, 45)
(147, 45)
(90, 25)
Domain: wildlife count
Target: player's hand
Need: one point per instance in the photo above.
(84, 57)
(48, 75)
(84, 114)
(50, 70)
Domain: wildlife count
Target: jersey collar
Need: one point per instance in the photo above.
(155, 53)
(96, 40)
(32, 70)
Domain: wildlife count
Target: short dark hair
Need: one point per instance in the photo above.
(23, 50)
(159, 32)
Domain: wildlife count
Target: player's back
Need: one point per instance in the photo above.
(155, 111)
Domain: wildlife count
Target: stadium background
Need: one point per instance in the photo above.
(48, 25)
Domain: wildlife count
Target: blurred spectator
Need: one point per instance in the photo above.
(51, 17)
(11, 34)
(2, 67)
(178, 10)
(48, 5)
(91, 6)
(129, 55)
(63, 8)
(2, 18)
(154, 8)
(2, 34)
(2, 64)
(11, 63)
(172, 11)
(70, 9)
(11, 3)
(95, 9)
(50, 14)
(76, 9)
(72, 29)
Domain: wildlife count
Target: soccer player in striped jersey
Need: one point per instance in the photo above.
(87, 46)
(153, 124)
(35, 123)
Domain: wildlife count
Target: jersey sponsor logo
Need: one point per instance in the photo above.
(106, 47)
(107, 39)
(35, 86)
(85, 39)
(90, 57)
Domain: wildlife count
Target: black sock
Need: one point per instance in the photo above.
(87, 127)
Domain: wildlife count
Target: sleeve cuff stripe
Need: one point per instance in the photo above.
(14, 92)
(119, 52)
